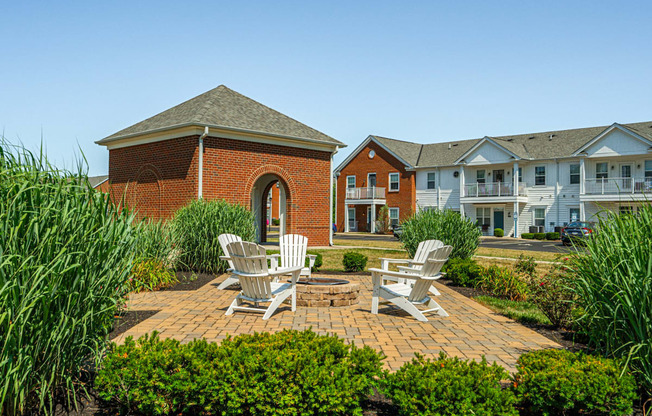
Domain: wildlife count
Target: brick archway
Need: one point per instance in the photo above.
(144, 192)
(286, 181)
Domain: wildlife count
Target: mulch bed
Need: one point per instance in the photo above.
(567, 339)
(190, 281)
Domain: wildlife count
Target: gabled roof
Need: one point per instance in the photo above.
(222, 107)
(96, 181)
(404, 152)
(503, 145)
(643, 136)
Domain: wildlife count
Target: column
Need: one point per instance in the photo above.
(346, 218)
(515, 215)
(373, 218)
(515, 179)
(582, 179)
(461, 189)
(582, 211)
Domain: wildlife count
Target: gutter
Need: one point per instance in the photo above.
(200, 167)
(331, 212)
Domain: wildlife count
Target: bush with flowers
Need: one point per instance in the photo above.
(553, 294)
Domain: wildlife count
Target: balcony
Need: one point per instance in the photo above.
(617, 186)
(492, 190)
(369, 193)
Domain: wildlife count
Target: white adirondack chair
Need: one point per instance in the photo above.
(407, 296)
(225, 240)
(258, 282)
(415, 264)
(293, 253)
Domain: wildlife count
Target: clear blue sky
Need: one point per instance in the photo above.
(75, 72)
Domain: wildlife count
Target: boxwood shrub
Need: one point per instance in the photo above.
(539, 236)
(463, 272)
(354, 262)
(287, 373)
(527, 236)
(449, 386)
(447, 226)
(552, 236)
(197, 226)
(499, 232)
(560, 382)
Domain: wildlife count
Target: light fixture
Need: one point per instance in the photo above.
(613, 167)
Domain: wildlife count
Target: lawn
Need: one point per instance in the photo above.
(333, 257)
(395, 244)
(523, 312)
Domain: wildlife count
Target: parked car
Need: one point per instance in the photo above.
(398, 231)
(577, 232)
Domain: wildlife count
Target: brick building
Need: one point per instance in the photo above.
(374, 175)
(223, 145)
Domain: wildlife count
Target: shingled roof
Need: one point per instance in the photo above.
(531, 146)
(225, 108)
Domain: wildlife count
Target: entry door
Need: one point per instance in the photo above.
(499, 175)
(369, 219)
(353, 225)
(371, 180)
(626, 174)
(499, 219)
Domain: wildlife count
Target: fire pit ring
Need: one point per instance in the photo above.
(324, 292)
(322, 281)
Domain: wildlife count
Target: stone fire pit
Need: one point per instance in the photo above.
(322, 292)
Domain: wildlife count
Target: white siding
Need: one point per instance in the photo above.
(487, 154)
(616, 143)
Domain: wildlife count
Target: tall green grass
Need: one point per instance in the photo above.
(447, 226)
(65, 256)
(197, 226)
(614, 288)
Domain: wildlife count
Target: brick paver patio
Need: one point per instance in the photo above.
(470, 331)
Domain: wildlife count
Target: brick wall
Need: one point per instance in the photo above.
(159, 178)
(382, 164)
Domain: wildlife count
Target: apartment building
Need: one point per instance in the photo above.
(543, 180)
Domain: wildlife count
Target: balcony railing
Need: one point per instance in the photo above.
(615, 186)
(371, 192)
(493, 189)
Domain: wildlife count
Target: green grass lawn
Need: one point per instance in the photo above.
(523, 312)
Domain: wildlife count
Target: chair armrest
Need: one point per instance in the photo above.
(390, 273)
(226, 258)
(405, 261)
(270, 256)
(311, 260)
(286, 270)
(435, 277)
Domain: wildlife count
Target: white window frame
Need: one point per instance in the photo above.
(647, 169)
(398, 182)
(539, 176)
(534, 217)
(434, 180)
(351, 217)
(392, 219)
(605, 173)
(347, 182)
(368, 175)
(570, 214)
(484, 212)
(478, 178)
(571, 174)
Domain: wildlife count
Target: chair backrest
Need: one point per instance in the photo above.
(293, 250)
(252, 259)
(224, 240)
(424, 248)
(433, 264)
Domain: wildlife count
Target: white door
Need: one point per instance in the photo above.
(626, 175)
(353, 224)
(368, 218)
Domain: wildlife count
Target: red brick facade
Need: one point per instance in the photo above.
(382, 164)
(159, 178)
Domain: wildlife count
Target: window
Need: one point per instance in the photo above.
(540, 175)
(574, 174)
(350, 181)
(431, 181)
(393, 181)
(648, 168)
(540, 217)
(393, 217)
(483, 217)
(626, 209)
(574, 214)
(602, 170)
(520, 174)
(479, 176)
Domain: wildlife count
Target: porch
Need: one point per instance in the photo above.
(490, 216)
(356, 217)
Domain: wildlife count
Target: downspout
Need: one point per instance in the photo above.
(331, 220)
(200, 167)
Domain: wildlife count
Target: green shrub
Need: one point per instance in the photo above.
(526, 266)
(560, 382)
(354, 262)
(319, 261)
(65, 258)
(463, 272)
(539, 236)
(151, 275)
(613, 285)
(527, 236)
(553, 294)
(197, 226)
(276, 222)
(499, 232)
(447, 226)
(287, 373)
(552, 236)
(449, 386)
(502, 282)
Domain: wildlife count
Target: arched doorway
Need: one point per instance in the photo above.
(261, 205)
